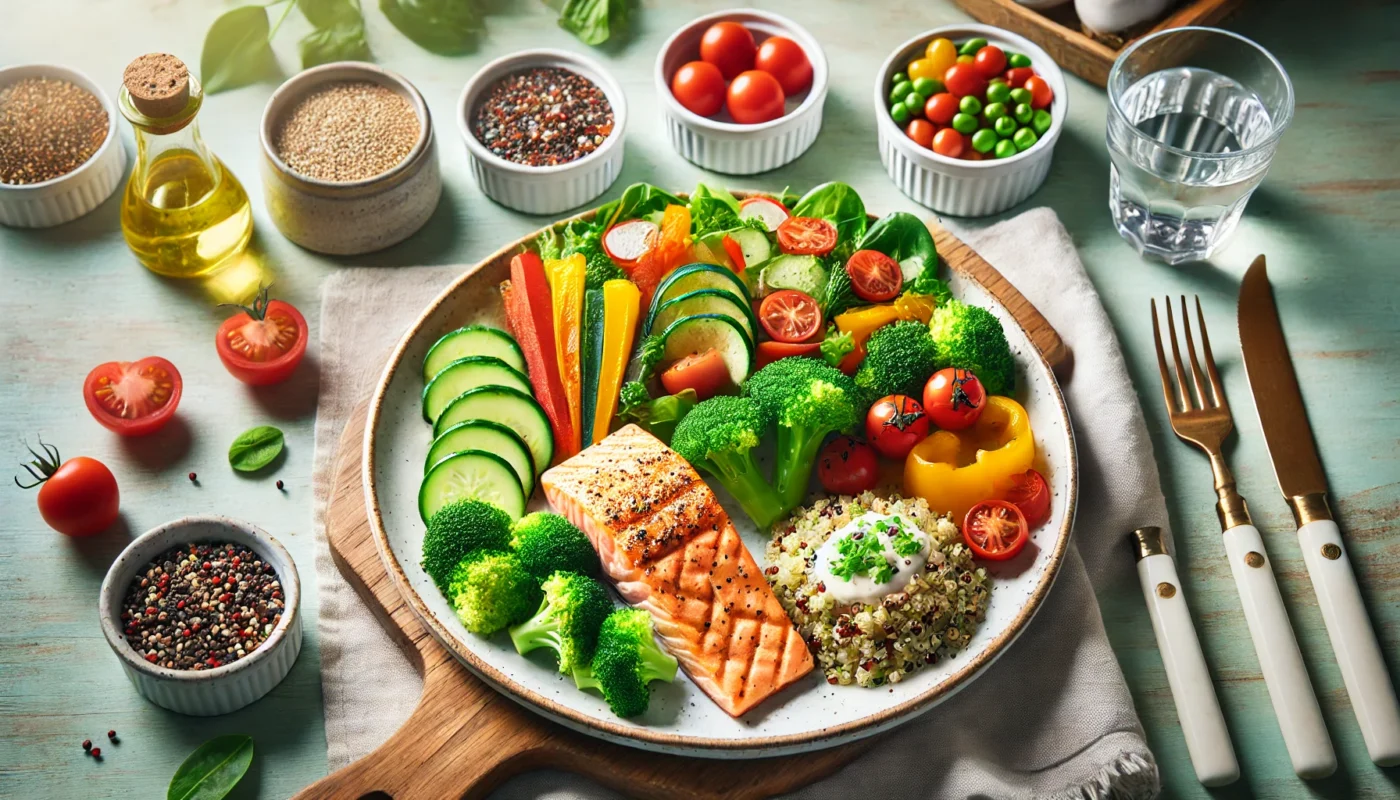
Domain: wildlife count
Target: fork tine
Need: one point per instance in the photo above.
(1162, 363)
(1176, 358)
(1217, 389)
(1198, 381)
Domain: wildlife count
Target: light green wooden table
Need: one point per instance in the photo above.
(73, 296)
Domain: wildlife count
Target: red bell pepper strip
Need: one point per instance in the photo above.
(530, 316)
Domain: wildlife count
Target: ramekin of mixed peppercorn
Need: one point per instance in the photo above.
(202, 613)
(968, 117)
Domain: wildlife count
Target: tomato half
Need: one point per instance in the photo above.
(133, 398)
(806, 236)
(785, 60)
(1031, 495)
(954, 399)
(704, 372)
(789, 315)
(263, 343)
(995, 530)
(875, 277)
(766, 353)
(847, 466)
(729, 46)
(699, 87)
(755, 97)
(895, 424)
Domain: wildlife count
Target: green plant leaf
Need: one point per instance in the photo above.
(237, 50)
(213, 769)
(339, 43)
(594, 21)
(332, 13)
(255, 448)
(445, 27)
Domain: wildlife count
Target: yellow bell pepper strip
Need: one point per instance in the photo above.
(622, 303)
(566, 279)
(915, 306)
(955, 470)
(860, 323)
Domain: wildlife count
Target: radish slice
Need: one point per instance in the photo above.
(770, 211)
(625, 242)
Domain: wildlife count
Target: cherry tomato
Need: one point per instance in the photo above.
(921, 131)
(895, 424)
(1041, 93)
(766, 353)
(755, 97)
(941, 108)
(806, 236)
(949, 142)
(940, 55)
(699, 87)
(847, 466)
(995, 530)
(734, 251)
(729, 46)
(790, 316)
(1016, 77)
(954, 399)
(785, 60)
(704, 372)
(990, 61)
(964, 79)
(1031, 495)
(263, 343)
(874, 276)
(77, 497)
(133, 398)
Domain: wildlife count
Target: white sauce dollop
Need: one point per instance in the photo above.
(863, 588)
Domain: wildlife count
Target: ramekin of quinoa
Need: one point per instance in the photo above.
(877, 586)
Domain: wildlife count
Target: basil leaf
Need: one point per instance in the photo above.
(339, 43)
(594, 21)
(903, 237)
(841, 206)
(637, 201)
(213, 769)
(445, 27)
(332, 13)
(255, 448)
(237, 50)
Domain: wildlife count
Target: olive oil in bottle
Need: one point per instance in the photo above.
(184, 214)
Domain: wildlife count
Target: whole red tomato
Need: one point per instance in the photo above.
(755, 97)
(954, 398)
(964, 79)
(699, 87)
(77, 497)
(895, 424)
(847, 466)
(785, 60)
(729, 46)
(263, 343)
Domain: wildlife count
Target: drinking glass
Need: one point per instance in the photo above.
(1194, 117)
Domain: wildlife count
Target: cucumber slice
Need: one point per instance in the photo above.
(702, 332)
(473, 340)
(702, 301)
(755, 245)
(475, 475)
(466, 374)
(510, 407)
(803, 273)
(699, 276)
(491, 437)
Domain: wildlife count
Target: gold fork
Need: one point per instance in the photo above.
(1200, 415)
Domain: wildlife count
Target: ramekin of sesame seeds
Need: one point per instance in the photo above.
(60, 156)
(203, 614)
(349, 158)
(543, 130)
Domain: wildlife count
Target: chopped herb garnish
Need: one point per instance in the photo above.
(859, 556)
(905, 544)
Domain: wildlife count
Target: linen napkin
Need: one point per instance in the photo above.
(1052, 718)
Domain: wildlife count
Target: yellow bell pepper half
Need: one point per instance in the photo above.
(566, 289)
(955, 470)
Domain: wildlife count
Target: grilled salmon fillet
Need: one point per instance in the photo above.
(670, 548)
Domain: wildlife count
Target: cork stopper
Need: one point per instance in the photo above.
(159, 84)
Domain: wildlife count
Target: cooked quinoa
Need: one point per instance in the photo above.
(932, 617)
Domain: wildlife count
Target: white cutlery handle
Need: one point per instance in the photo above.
(1295, 705)
(1353, 640)
(1198, 709)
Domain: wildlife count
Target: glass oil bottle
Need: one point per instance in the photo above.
(184, 214)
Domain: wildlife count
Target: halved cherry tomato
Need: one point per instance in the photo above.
(895, 424)
(941, 108)
(789, 315)
(734, 251)
(1016, 77)
(755, 97)
(1041, 93)
(133, 398)
(847, 466)
(1031, 495)
(77, 497)
(995, 530)
(699, 87)
(766, 353)
(704, 372)
(785, 60)
(263, 343)
(729, 46)
(949, 142)
(990, 61)
(964, 79)
(954, 399)
(874, 276)
(806, 236)
(921, 131)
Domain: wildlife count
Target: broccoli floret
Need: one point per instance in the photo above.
(567, 621)
(632, 395)
(807, 399)
(546, 543)
(970, 337)
(626, 660)
(459, 529)
(585, 238)
(837, 345)
(899, 359)
(492, 591)
(649, 354)
(718, 437)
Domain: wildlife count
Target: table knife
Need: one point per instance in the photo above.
(1289, 436)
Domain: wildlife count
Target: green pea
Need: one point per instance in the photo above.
(899, 113)
(1023, 113)
(1021, 96)
(1024, 139)
(1004, 126)
(970, 105)
(928, 87)
(915, 100)
(1018, 60)
(984, 140)
(898, 78)
(995, 111)
(971, 46)
(964, 123)
(900, 92)
(998, 92)
(1005, 149)
(1041, 121)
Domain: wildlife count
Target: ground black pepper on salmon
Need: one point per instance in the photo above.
(543, 117)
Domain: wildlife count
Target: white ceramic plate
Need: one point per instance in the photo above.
(682, 720)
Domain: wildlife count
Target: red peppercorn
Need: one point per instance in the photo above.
(279, 486)
(111, 734)
(192, 477)
(151, 657)
(87, 745)
(96, 752)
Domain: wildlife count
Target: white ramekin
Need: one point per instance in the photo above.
(205, 693)
(726, 146)
(955, 186)
(543, 190)
(67, 197)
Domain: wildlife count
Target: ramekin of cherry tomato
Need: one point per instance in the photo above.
(968, 117)
(742, 90)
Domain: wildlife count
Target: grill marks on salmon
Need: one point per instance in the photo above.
(671, 549)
